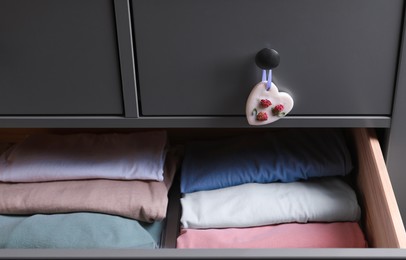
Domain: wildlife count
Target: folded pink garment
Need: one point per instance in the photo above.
(292, 235)
(140, 200)
(52, 157)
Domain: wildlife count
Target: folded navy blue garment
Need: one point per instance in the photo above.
(284, 155)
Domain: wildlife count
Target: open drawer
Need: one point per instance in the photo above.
(382, 223)
(381, 220)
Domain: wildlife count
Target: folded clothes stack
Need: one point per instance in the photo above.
(271, 190)
(86, 190)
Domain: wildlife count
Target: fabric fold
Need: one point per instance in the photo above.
(327, 199)
(286, 155)
(74, 230)
(56, 157)
(292, 235)
(141, 200)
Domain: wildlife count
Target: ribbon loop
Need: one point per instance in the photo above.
(269, 80)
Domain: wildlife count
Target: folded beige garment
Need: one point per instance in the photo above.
(140, 200)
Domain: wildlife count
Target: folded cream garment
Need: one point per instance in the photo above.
(309, 235)
(327, 199)
(52, 157)
(140, 200)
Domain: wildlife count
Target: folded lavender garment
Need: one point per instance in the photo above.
(141, 200)
(292, 235)
(52, 157)
(327, 199)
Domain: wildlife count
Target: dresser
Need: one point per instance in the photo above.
(189, 65)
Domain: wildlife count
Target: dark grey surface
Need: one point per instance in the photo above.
(173, 215)
(338, 57)
(395, 149)
(126, 52)
(189, 122)
(59, 57)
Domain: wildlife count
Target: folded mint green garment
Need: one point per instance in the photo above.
(75, 230)
(154, 229)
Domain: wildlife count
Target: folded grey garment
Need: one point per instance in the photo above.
(76, 230)
(55, 157)
(327, 199)
(141, 200)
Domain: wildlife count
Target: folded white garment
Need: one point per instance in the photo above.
(52, 157)
(327, 199)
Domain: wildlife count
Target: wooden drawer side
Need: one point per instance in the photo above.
(382, 220)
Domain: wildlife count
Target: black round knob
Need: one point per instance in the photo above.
(267, 59)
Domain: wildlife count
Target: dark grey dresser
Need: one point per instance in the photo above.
(190, 64)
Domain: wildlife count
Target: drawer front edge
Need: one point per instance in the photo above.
(383, 223)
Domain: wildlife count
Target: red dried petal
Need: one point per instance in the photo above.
(262, 116)
(279, 107)
(265, 103)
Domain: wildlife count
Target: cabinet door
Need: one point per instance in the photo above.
(337, 57)
(59, 58)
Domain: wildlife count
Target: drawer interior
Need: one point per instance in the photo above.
(381, 220)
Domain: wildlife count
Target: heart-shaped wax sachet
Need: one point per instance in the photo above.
(266, 106)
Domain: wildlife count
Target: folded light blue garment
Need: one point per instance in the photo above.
(327, 199)
(76, 230)
(276, 156)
